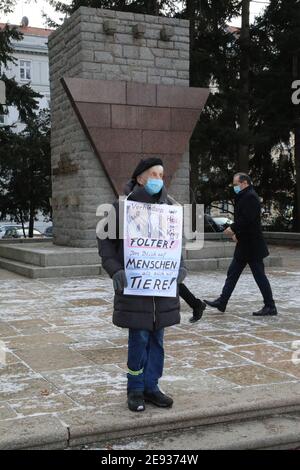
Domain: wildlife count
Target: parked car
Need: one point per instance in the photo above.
(223, 222)
(49, 231)
(18, 233)
(4, 228)
(215, 224)
(209, 224)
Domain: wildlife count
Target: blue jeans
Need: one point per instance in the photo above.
(145, 359)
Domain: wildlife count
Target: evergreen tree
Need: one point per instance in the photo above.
(249, 117)
(149, 7)
(214, 63)
(25, 172)
(275, 120)
(25, 157)
(21, 96)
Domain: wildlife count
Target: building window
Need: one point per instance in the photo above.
(25, 70)
(2, 119)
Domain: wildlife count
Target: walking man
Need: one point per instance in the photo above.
(250, 249)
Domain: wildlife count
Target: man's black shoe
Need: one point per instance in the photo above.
(136, 401)
(216, 304)
(198, 311)
(265, 311)
(159, 399)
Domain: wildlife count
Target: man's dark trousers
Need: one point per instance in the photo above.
(258, 270)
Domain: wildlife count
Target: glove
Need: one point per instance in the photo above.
(181, 275)
(119, 281)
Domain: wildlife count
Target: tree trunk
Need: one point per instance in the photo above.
(297, 173)
(243, 158)
(31, 222)
(22, 222)
(296, 212)
(191, 14)
(194, 162)
(152, 7)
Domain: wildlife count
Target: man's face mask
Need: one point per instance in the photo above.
(153, 186)
(236, 189)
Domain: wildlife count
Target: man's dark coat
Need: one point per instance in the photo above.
(251, 245)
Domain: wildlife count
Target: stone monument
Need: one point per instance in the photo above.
(119, 91)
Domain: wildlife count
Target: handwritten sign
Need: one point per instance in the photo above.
(152, 248)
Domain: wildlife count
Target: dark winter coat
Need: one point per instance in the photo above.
(251, 245)
(136, 311)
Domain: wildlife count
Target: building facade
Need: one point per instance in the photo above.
(31, 66)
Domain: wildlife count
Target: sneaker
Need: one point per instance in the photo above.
(266, 311)
(159, 399)
(198, 311)
(136, 401)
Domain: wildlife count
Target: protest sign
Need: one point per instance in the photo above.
(152, 248)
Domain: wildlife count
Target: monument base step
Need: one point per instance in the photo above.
(252, 434)
(211, 249)
(266, 417)
(44, 260)
(212, 264)
(88, 270)
(34, 272)
(227, 419)
(38, 260)
(48, 254)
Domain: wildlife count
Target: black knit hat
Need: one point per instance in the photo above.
(145, 164)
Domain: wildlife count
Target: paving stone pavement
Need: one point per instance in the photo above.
(64, 357)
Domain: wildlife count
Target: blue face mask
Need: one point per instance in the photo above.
(153, 186)
(236, 189)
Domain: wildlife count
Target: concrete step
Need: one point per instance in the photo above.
(34, 272)
(211, 250)
(49, 255)
(48, 260)
(208, 264)
(46, 254)
(213, 419)
(275, 432)
(267, 416)
(194, 409)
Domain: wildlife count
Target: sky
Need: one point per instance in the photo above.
(33, 10)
